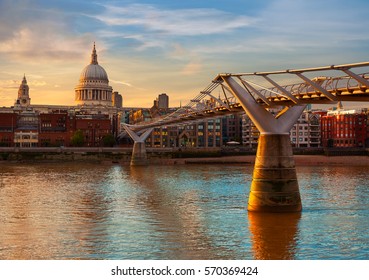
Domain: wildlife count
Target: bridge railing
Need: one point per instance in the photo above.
(324, 88)
(332, 84)
(328, 81)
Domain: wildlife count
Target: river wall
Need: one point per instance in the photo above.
(55, 154)
(175, 156)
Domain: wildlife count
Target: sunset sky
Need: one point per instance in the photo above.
(177, 47)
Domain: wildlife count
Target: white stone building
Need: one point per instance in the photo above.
(304, 134)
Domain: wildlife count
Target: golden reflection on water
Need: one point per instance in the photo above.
(40, 219)
(274, 235)
(179, 218)
(81, 211)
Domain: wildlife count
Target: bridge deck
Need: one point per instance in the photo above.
(319, 90)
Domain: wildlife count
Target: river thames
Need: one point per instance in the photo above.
(92, 211)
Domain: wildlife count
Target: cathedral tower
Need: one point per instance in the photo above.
(23, 94)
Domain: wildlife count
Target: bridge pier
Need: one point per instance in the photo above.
(274, 186)
(139, 156)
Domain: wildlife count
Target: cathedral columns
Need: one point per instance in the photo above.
(93, 95)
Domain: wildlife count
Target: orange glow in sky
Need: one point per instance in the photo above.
(174, 47)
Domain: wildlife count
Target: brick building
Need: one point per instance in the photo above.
(344, 128)
(55, 129)
(33, 129)
(94, 128)
(8, 123)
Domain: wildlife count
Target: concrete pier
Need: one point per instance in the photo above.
(274, 186)
(139, 156)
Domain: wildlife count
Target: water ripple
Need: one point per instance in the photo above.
(91, 211)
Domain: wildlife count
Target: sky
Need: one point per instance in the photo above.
(167, 46)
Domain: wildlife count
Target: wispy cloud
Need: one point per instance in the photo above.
(297, 27)
(313, 24)
(9, 84)
(192, 68)
(126, 84)
(43, 44)
(175, 22)
(37, 83)
(121, 83)
(280, 27)
(30, 33)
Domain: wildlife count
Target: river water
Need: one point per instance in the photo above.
(92, 211)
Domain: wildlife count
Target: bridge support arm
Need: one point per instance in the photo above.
(139, 155)
(263, 119)
(317, 87)
(274, 186)
(257, 114)
(285, 92)
(357, 77)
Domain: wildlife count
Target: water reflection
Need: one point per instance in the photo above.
(274, 235)
(177, 218)
(92, 211)
(45, 215)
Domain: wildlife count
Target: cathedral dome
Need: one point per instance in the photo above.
(93, 71)
(93, 87)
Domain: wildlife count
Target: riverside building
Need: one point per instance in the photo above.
(345, 128)
(205, 134)
(202, 134)
(305, 133)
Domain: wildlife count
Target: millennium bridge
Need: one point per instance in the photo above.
(273, 101)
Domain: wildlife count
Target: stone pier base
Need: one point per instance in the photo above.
(274, 186)
(139, 156)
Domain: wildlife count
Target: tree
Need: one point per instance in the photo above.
(108, 140)
(77, 139)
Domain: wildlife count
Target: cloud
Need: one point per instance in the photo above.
(16, 83)
(178, 51)
(314, 24)
(191, 68)
(9, 84)
(121, 83)
(304, 30)
(176, 22)
(29, 33)
(47, 43)
(280, 27)
(36, 83)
